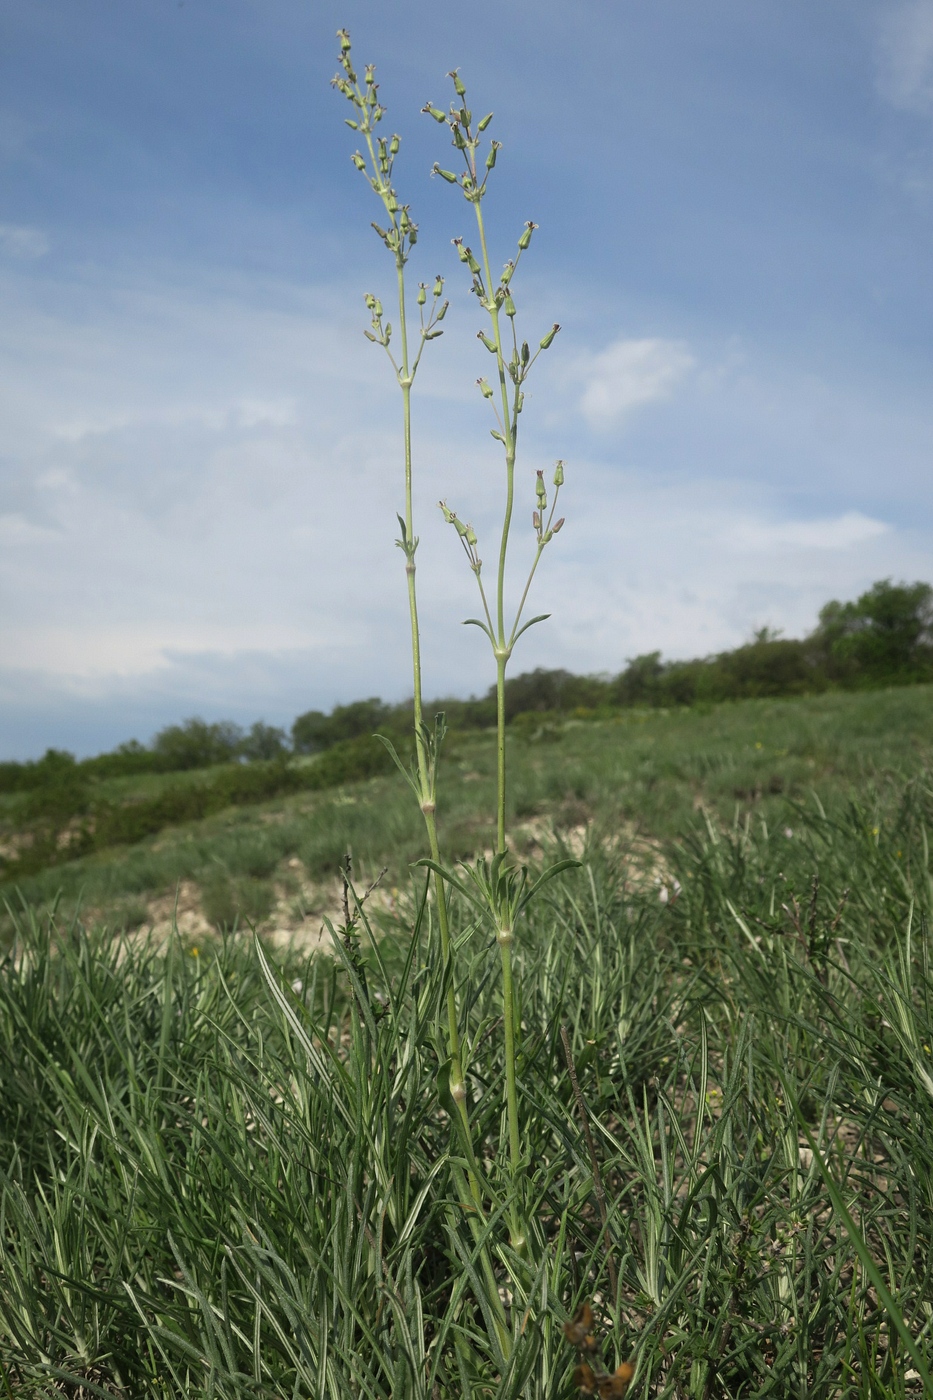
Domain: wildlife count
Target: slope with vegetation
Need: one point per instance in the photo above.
(57, 809)
(223, 1172)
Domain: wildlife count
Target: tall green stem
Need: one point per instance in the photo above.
(502, 649)
(426, 775)
(502, 652)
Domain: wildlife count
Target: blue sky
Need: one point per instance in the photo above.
(199, 451)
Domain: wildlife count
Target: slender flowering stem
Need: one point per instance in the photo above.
(399, 236)
(511, 373)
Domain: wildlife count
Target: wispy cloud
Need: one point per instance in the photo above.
(905, 53)
(835, 533)
(23, 241)
(629, 373)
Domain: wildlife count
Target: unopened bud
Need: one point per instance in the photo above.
(349, 122)
(394, 145)
(526, 353)
(459, 139)
(509, 306)
(443, 311)
(458, 83)
(485, 122)
(370, 74)
(381, 231)
(491, 158)
(470, 536)
(541, 490)
(558, 525)
(434, 112)
(377, 308)
(485, 388)
(422, 294)
(558, 473)
(536, 520)
(545, 343)
(526, 235)
(489, 344)
(471, 261)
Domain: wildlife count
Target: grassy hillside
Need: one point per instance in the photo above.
(230, 1175)
(644, 774)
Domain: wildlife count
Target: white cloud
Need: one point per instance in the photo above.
(905, 53)
(22, 241)
(630, 373)
(198, 496)
(835, 533)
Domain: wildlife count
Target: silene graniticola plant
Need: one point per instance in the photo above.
(498, 888)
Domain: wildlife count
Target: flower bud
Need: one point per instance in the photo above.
(377, 309)
(369, 335)
(494, 432)
(412, 233)
(485, 122)
(536, 520)
(434, 112)
(358, 161)
(349, 122)
(388, 332)
(381, 231)
(470, 536)
(422, 294)
(489, 344)
(526, 353)
(509, 306)
(558, 473)
(370, 301)
(558, 525)
(370, 74)
(485, 388)
(548, 339)
(466, 116)
(493, 150)
(458, 83)
(541, 490)
(394, 145)
(526, 235)
(507, 273)
(443, 311)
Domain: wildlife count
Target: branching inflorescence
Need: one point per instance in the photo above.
(497, 889)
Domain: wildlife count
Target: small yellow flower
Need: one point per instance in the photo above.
(759, 744)
(195, 953)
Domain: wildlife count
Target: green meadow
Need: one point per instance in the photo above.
(227, 1166)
